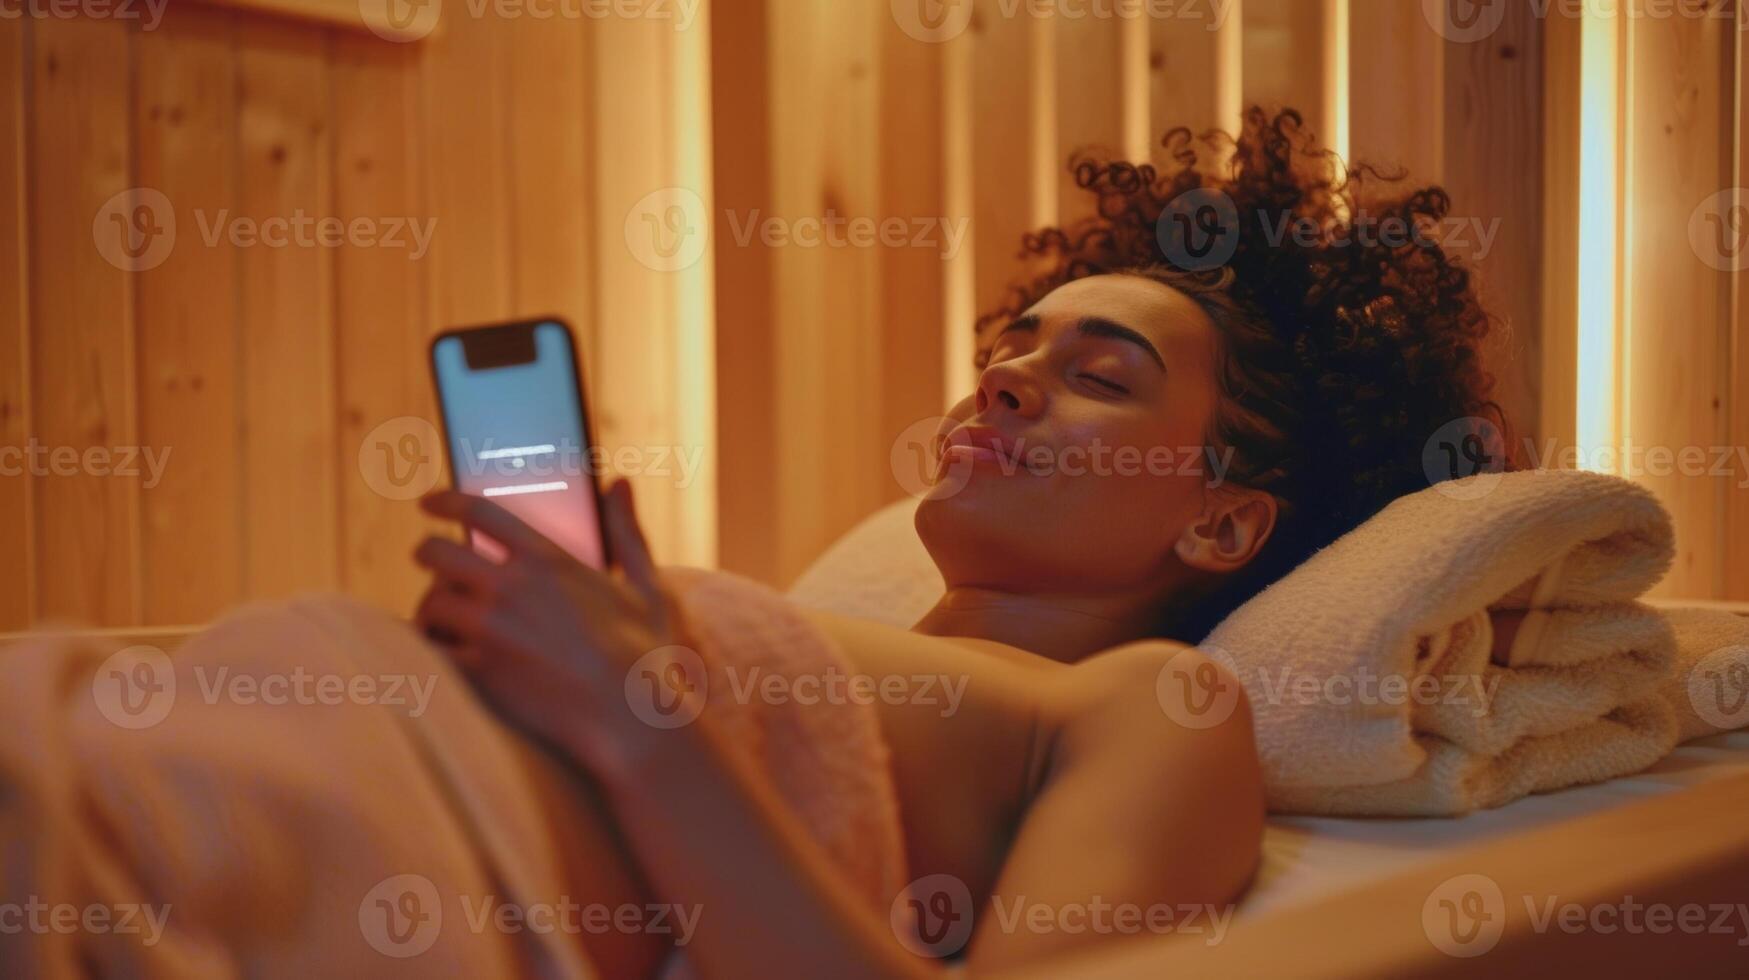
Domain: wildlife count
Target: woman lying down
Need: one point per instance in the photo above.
(635, 773)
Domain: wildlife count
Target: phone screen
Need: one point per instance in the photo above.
(513, 414)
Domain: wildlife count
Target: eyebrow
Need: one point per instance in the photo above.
(1092, 326)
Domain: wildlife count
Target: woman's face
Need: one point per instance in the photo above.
(1079, 461)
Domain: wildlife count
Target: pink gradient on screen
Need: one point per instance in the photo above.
(567, 517)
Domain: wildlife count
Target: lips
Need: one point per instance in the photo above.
(980, 443)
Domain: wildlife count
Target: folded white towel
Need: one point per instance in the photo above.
(1709, 687)
(1368, 667)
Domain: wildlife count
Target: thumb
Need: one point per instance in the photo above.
(630, 551)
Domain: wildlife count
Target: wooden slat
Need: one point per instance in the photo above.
(1090, 99)
(913, 280)
(1286, 45)
(380, 323)
(1737, 506)
(1494, 127)
(186, 118)
(87, 542)
(1559, 307)
(656, 342)
(746, 369)
(1194, 63)
(1013, 184)
(290, 485)
(548, 122)
(343, 13)
(1397, 88)
(17, 582)
(824, 133)
(463, 77)
(1677, 338)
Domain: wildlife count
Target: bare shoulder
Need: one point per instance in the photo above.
(1164, 709)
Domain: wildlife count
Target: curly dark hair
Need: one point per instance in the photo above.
(1343, 345)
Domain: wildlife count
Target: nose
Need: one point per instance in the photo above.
(1010, 384)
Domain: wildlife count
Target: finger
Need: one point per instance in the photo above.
(459, 563)
(492, 520)
(630, 549)
(452, 617)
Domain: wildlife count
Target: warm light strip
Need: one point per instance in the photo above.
(1230, 67)
(959, 293)
(517, 491)
(1336, 75)
(1598, 422)
(690, 137)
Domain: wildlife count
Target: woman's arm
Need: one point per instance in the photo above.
(1149, 818)
(549, 641)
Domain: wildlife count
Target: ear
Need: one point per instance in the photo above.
(1234, 524)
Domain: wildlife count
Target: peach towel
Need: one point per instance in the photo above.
(251, 838)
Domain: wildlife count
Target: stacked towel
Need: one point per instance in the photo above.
(1709, 688)
(1372, 668)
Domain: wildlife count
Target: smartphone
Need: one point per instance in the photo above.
(516, 427)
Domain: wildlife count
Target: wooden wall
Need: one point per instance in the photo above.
(260, 370)
(534, 143)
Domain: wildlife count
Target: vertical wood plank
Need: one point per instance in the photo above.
(824, 116)
(1194, 66)
(464, 81)
(1494, 128)
(87, 531)
(17, 581)
(550, 164)
(1397, 89)
(191, 526)
(1557, 414)
(380, 322)
(1286, 47)
(746, 373)
(1676, 346)
(913, 280)
(1013, 186)
(290, 486)
(656, 342)
(1737, 512)
(1090, 100)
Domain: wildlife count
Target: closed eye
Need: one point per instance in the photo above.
(1106, 383)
